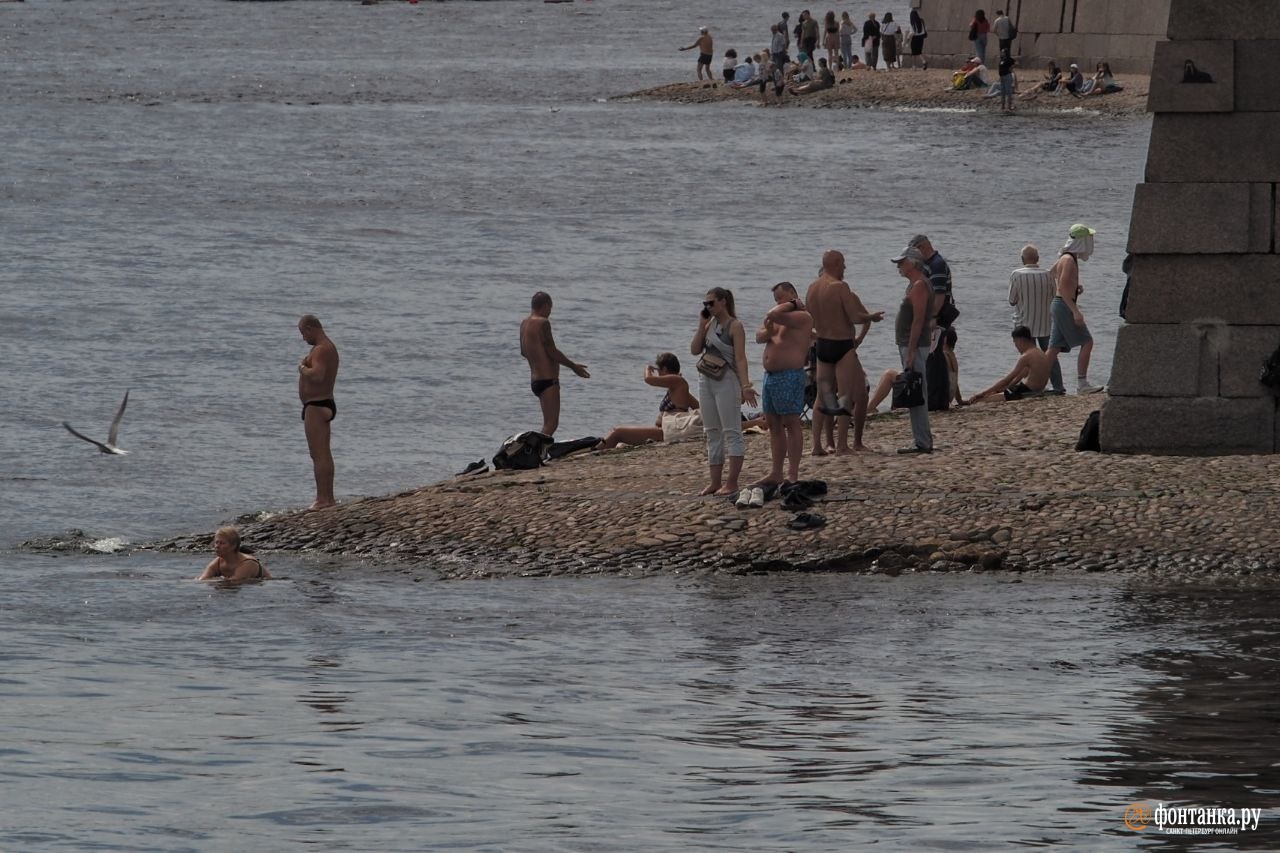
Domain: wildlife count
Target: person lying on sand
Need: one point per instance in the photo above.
(825, 80)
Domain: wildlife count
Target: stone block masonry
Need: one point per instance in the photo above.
(1121, 32)
(1204, 291)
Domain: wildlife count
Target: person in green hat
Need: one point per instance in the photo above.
(1069, 330)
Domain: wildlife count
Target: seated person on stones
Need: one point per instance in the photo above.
(663, 373)
(1104, 82)
(744, 75)
(801, 71)
(1029, 376)
(1074, 82)
(1052, 79)
(972, 75)
(730, 64)
(826, 79)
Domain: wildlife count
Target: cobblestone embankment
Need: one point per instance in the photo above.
(1004, 491)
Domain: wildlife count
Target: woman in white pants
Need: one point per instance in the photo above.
(720, 333)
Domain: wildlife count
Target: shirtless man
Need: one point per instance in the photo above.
(785, 335)
(317, 373)
(1069, 329)
(836, 312)
(1029, 376)
(539, 349)
(704, 46)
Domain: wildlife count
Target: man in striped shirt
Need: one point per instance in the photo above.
(1031, 290)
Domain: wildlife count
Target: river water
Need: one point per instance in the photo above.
(181, 180)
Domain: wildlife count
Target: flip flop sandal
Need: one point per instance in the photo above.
(807, 521)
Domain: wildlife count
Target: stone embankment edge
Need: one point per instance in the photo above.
(1004, 492)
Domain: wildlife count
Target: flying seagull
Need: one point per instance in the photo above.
(112, 434)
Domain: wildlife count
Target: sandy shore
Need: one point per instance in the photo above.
(1004, 491)
(915, 89)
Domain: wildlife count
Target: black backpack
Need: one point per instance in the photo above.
(523, 451)
(1089, 433)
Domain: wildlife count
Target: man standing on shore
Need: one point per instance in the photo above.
(809, 34)
(539, 349)
(942, 313)
(1069, 329)
(911, 334)
(704, 45)
(785, 335)
(1031, 292)
(836, 311)
(317, 374)
(1004, 30)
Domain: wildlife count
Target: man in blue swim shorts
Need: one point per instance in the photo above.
(785, 335)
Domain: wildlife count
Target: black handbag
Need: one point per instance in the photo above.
(1270, 374)
(908, 390)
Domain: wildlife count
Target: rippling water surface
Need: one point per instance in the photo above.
(182, 179)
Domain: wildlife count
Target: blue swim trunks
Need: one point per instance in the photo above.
(784, 392)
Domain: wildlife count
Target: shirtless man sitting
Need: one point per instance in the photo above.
(1029, 376)
(317, 373)
(785, 335)
(539, 349)
(836, 312)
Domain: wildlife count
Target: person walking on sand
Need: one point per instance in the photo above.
(317, 374)
(842, 384)
(724, 385)
(889, 33)
(911, 334)
(918, 34)
(1069, 329)
(539, 349)
(704, 45)
(785, 334)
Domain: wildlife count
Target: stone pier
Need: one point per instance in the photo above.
(1204, 296)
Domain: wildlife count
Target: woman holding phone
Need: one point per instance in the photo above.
(723, 386)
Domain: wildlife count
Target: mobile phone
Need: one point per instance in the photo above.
(706, 313)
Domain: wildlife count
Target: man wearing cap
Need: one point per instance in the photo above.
(911, 334)
(1075, 80)
(942, 314)
(836, 312)
(1031, 291)
(704, 46)
(1069, 329)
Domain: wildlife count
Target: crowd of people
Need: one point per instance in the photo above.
(885, 43)
(820, 334)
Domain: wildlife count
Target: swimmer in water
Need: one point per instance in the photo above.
(232, 563)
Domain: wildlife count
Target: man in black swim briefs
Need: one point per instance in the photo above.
(539, 349)
(704, 45)
(842, 384)
(317, 374)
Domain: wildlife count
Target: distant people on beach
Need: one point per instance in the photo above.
(778, 45)
(1006, 82)
(979, 27)
(1069, 329)
(825, 79)
(785, 333)
(1103, 82)
(942, 313)
(847, 29)
(539, 348)
(1052, 80)
(871, 40)
(730, 64)
(1005, 32)
(233, 562)
(1031, 292)
(809, 34)
(831, 39)
(704, 44)
(1029, 376)
(918, 34)
(1074, 84)
(842, 384)
(317, 375)
(971, 75)
(678, 416)
(724, 384)
(890, 32)
(912, 336)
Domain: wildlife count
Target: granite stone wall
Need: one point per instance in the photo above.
(1204, 298)
(1121, 32)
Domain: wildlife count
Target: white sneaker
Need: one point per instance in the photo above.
(757, 497)
(744, 499)
(1086, 388)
